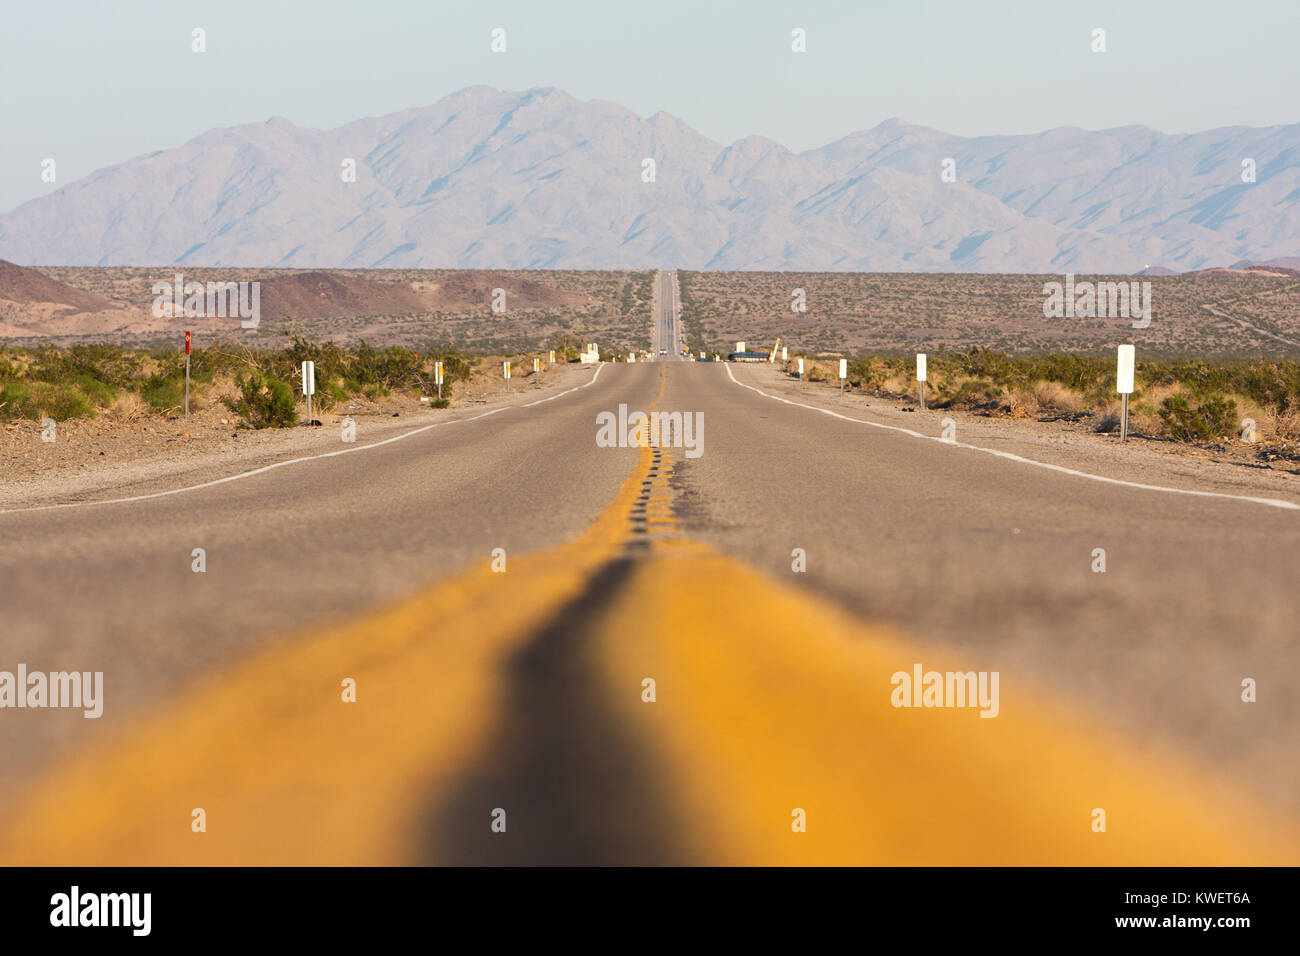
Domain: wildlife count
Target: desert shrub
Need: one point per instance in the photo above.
(98, 393)
(162, 393)
(10, 369)
(1107, 423)
(13, 400)
(36, 400)
(264, 401)
(1208, 420)
(1284, 424)
(109, 365)
(973, 391)
(869, 372)
(1056, 397)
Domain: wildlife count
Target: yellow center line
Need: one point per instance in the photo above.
(285, 771)
(769, 701)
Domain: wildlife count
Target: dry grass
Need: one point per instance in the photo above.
(1281, 426)
(130, 407)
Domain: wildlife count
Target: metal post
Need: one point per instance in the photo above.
(1123, 418)
(187, 386)
(309, 408)
(923, 394)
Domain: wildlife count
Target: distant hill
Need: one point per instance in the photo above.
(32, 287)
(331, 295)
(322, 295)
(486, 179)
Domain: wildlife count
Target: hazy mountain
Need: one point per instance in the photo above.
(492, 179)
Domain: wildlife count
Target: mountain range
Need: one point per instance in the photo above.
(538, 179)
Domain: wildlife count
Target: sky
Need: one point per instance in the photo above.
(91, 84)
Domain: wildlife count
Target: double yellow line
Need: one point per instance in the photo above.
(771, 708)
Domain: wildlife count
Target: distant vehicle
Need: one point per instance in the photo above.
(663, 351)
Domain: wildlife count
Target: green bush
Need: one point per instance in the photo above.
(163, 393)
(37, 400)
(13, 400)
(1208, 421)
(265, 401)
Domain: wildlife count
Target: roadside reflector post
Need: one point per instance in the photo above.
(844, 373)
(309, 385)
(187, 376)
(801, 373)
(437, 377)
(1124, 385)
(785, 357)
(537, 372)
(506, 368)
(920, 374)
(552, 356)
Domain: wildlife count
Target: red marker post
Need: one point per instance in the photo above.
(187, 375)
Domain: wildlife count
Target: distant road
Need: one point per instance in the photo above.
(1219, 313)
(667, 334)
(524, 690)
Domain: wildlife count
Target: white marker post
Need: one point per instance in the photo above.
(844, 373)
(437, 377)
(309, 385)
(187, 376)
(801, 372)
(552, 356)
(785, 357)
(506, 368)
(1124, 385)
(920, 374)
(537, 372)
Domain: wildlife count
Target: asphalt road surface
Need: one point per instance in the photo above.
(672, 657)
(667, 332)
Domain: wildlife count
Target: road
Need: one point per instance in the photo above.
(516, 695)
(667, 325)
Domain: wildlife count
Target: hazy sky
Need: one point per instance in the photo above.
(94, 83)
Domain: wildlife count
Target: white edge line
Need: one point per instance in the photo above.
(1270, 502)
(292, 461)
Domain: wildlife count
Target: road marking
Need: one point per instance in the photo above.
(1270, 502)
(567, 391)
(292, 461)
(769, 699)
(286, 771)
